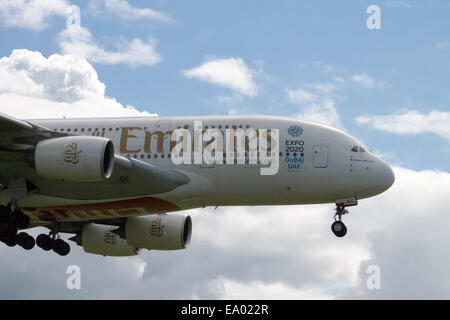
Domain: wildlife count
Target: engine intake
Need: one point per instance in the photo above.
(159, 231)
(76, 158)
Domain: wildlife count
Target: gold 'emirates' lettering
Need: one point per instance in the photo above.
(124, 140)
(160, 141)
(247, 136)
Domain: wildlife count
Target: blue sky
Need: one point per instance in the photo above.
(287, 45)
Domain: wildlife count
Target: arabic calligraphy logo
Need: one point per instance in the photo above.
(71, 153)
(157, 228)
(110, 237)
(295, 131)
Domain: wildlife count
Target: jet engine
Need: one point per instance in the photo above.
(75, 158)
(99, 239)
(159, 231)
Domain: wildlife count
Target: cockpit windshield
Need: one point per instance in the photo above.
(358, 149)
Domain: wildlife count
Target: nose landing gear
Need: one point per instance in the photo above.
(338, 227)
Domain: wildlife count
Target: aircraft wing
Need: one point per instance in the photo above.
(130, 177)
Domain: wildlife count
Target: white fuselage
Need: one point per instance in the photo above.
(316, 164)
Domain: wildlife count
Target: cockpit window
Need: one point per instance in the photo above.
(358, 149)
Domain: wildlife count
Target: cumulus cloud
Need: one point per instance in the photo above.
(75, 39)
(411, 249)
(124, 10)
(31, 14)
(270, 252)
(33, 86)
(36, 14)
(231, 73)
(411, 122)
(318, 102)
(79, 41)
(364, 80)
(231, 289)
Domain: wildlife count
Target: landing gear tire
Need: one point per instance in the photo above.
(61, 247)
(25, 241)
(50, 242)
(44, 242)
(11, 242)
(339, 229)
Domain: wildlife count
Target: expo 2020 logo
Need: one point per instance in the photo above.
(295, 131)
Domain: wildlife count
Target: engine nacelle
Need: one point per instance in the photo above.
(159, 231)
(76, 158)
(99, 239)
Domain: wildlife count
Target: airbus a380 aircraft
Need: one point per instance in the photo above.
(116, 183)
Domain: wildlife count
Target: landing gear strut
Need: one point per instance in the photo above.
(11, 220)
(338, 227)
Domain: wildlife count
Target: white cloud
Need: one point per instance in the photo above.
(408, 238)
(363, 80)
(124, 10)
(301, 96)
(230, 73)
(32, 86)
(79, 41)
(411, 122)
(325, 113)
(228, 289)
(271, 252)
(31, 14)
(318, 103)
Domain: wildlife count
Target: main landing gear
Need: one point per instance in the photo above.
(53, 242)
(338, 227)
(11, 220)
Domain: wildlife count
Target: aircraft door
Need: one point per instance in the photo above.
(320, 156)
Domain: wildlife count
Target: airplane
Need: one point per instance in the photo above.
(119, 185)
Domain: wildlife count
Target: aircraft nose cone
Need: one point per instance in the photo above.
(389, 177)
